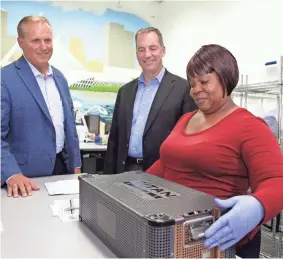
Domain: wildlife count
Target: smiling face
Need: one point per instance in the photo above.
(212, 73)
(207, 92)
(150, 52)
(37, 44)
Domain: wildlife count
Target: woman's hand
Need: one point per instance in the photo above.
(245, 213)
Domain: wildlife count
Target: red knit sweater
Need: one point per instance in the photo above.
(226, 159)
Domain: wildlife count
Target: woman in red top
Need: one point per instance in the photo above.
(222, 149)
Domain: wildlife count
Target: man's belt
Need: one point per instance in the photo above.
(134, 160)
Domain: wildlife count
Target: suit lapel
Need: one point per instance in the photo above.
(29, 79)
(165, 87)
(131, 95)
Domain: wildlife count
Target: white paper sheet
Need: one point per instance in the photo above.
(63, 187)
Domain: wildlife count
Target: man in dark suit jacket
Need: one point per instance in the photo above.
(38, 134)
(146, 109)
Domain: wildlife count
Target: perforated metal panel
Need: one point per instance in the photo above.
(230, 253)
(197, 250)
(117, 209)
(125, 240)
(159, 242)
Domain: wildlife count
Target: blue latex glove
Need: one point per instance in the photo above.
(245, 214)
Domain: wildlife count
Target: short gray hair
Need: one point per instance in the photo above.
(148, 30)
(28, 19)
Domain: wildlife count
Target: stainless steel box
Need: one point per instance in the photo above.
(138, 215)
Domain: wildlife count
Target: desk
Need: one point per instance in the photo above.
(97, 152)
(91, 146)
(30, 231)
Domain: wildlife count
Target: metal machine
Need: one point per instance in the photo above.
(138, 215)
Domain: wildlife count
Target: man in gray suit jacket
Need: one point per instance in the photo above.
(38, 134)
(146, 109)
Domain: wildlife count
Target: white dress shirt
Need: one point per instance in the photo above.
(53, 101)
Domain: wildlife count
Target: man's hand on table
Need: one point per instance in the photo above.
(78, 170)
(19, 183)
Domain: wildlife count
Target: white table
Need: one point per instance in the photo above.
(91, 146)
(30, 231)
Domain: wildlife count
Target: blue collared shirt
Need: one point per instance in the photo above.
(144, 98)
(53, 101)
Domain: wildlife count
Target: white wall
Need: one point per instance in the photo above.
(252, 31)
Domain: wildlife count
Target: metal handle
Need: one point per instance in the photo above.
(197, 233)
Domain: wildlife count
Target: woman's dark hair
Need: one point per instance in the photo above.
(215, 58)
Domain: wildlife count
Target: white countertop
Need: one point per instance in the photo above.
(30, 231)
(91, 146)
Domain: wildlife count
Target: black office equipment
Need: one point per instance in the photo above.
(107, 127)
(138, 215)
(93, 123)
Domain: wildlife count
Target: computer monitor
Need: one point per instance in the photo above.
(93, 123)
(107, 127)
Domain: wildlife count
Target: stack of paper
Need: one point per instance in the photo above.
(63, 187)
(66, 210)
